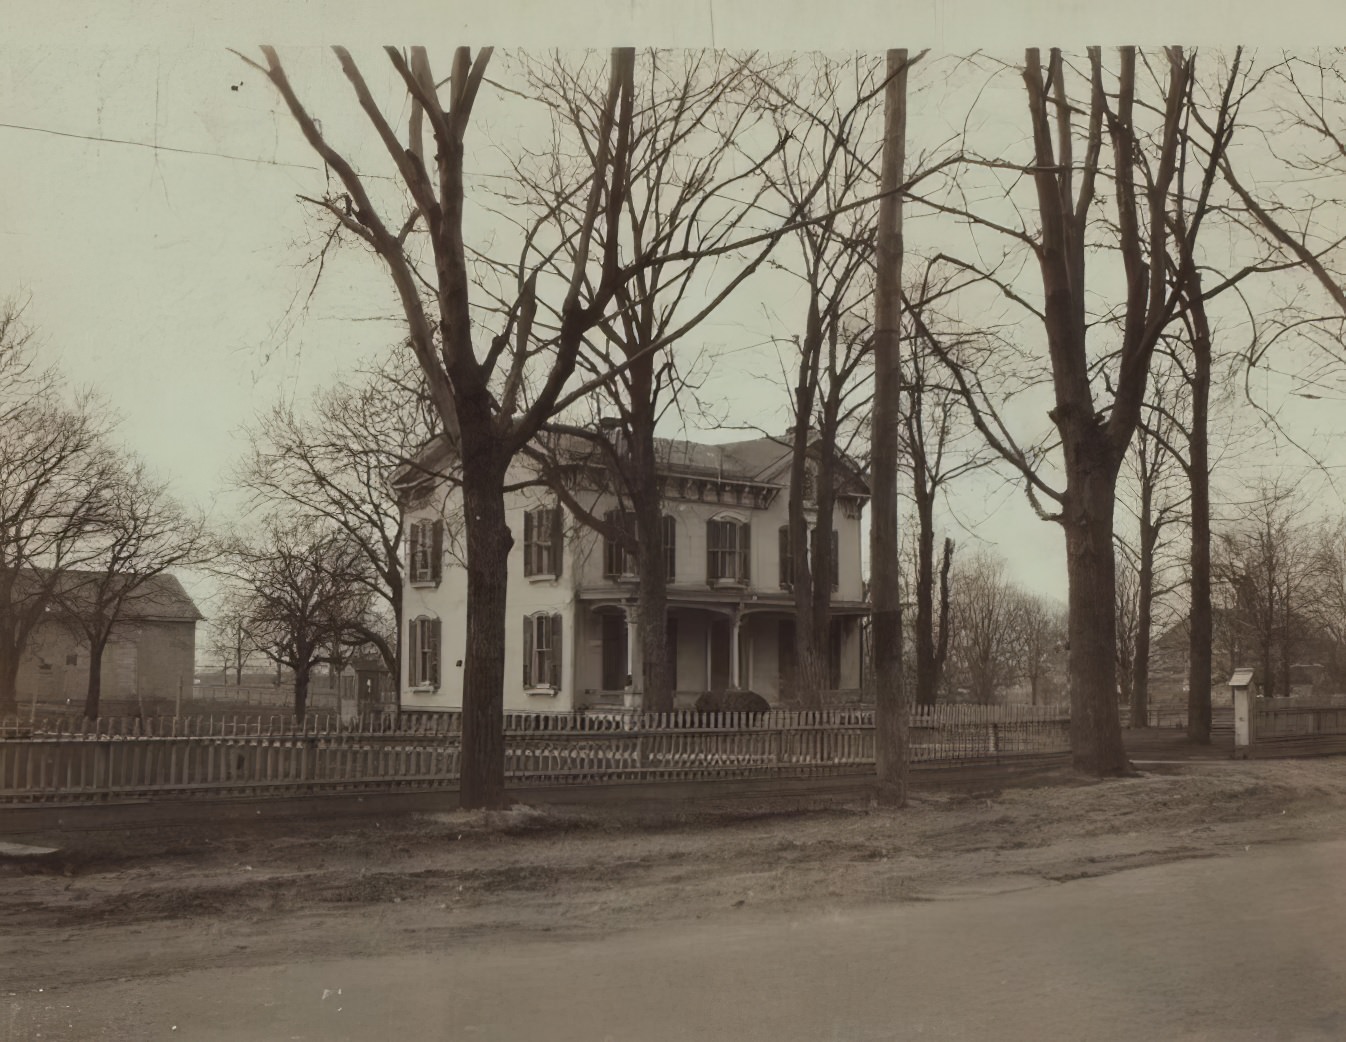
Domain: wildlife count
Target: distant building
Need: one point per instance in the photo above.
(151, 655)
(571, 636)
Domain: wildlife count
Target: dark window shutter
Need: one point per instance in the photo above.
(557, 540)
(836, 560)
(528, 536)
(434, 653)
(414, 652)
(612, 564)
(437, 551)
(413, 549)
(744, 549)
(712, 546)
(528, 651)
(787, 573)
(670, 538)
(556, 652)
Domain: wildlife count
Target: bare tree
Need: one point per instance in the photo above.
(1041, 635)
(826, 108)
(337, 461)
(54, 468)
(492, 394)
(1158, 506)
(139, 534)
(984, 645)
(228, 639)
(691, 192)
(939, 445)
(1093, 431)
(1270, 566)
(300, 590)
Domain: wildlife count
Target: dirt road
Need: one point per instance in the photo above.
(119, 915)
(1175, 951)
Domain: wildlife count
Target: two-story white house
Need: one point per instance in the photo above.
(571, 640)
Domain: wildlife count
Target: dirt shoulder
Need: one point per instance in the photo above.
(137, 903)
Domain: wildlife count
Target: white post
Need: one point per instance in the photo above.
(1242, 687)
(632, 659)
(710, 648)
(733, 652)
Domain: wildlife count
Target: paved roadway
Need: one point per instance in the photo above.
(1246, 947)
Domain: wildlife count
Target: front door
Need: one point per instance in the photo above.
(614, 651)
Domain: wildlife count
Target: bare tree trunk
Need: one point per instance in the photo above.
(1140, 663)
(1200, 627)
(890, 717)
(301, 682)
(821, 563)
(642, 483)
(94, 691)
(810, 671)
(652, 597)
(927, 678)
(482, 782)
(9, 676)
(1095, 728)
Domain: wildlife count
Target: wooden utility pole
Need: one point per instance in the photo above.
(890, 717)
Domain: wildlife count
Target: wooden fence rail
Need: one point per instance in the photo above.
(1298, 727)
(51, 767)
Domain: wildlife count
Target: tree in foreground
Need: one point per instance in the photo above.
(1157, 168)
(493, 389)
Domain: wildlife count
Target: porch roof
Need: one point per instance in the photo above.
(748, 602)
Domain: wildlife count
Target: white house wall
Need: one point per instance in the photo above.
(583, 565)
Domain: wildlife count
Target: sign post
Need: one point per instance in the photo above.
(1244, 689)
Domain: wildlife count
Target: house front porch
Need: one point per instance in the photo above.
(718, 642)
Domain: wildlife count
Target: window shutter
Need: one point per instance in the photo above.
(557, 540)
(787, 575)
(612, 564)
(836, 560)
(434, 653)
(527, 651)
(712, 546)
(413, 549)
(437, 551)
(414, 652)
(528, 536)
(670, 534)
(745, 550)
(556, 652)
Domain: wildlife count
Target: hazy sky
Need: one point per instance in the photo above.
(172, 278)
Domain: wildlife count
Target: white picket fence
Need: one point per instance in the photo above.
(271, 756)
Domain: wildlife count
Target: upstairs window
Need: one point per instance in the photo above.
(423, 653)
(425, 550)
(787, 569)
(618, 562)
(542, 541)
(542, 651)
(727, 543)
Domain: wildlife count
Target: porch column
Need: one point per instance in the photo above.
(632, 646)
(736, 620)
